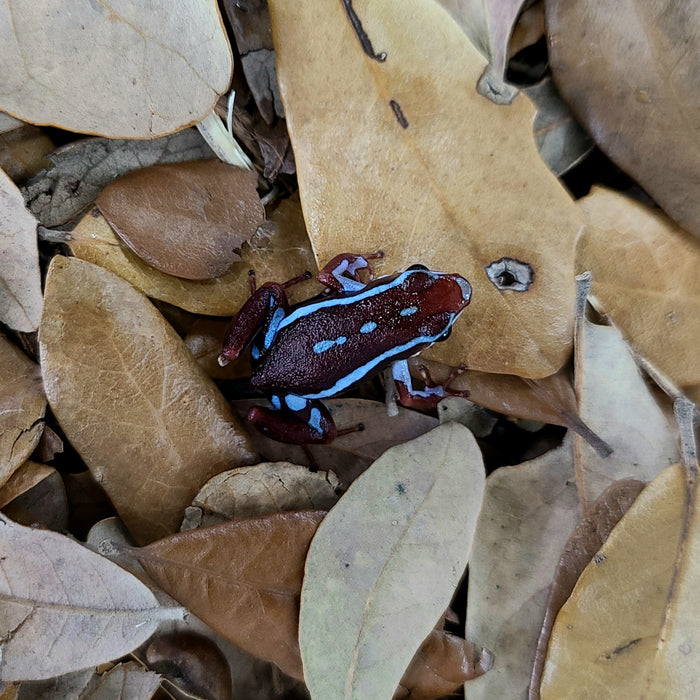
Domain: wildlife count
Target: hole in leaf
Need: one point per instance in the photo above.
(510, 274)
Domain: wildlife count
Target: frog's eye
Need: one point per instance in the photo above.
(418, 266)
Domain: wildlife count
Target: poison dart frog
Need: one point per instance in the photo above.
(321, 348)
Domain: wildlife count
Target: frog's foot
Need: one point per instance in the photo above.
(428, 398)
(341, 274)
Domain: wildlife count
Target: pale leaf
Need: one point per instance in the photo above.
(20, 285)
(385, 562)
(121, 69)
(149, 424)
(127, 681)
(404, 155)
(66, 608)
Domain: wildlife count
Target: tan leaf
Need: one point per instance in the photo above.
(22, 480)
(645, 277)
(276, 254)
(385, 562)
(615, 402)
(528, 513)
(631, 626)
(156, 71)
(242, 578)
(185, 219)
(149, 424)
(24, 151)
(585, 541)
(127, 681)
(66, 608)
(44, 504)
(404, 156)
(20, 285)
(269, 487)
(81, 169)
(22, 406)
(631, 74)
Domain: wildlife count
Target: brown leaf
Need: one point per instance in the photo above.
(243, 578)
(645, 277)
(80, 170)
(24, 151)
(459, 189)
(440, 666)
(185, 219)
(22, 480)
(155, 72)
(148, 423)
(585, 541)
(276, 253)
(631, 74)
(22, 406)
(64, 607)
(44, 504)
(20, 286)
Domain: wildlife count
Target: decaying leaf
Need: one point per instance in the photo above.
(588, 537)
(22, 406)
(396, 150)
(65, 607)
(615, 402)
(645, 277)
(20, 285)
(149, 424)
(276, 254)
(185, 219)
(631, 74)
(631, 627)
(242, 578)
(269, 487)
(385, 562)
(528, 513)
(80, 170)
(156, 71)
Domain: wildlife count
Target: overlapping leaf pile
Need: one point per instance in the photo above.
(151, 544)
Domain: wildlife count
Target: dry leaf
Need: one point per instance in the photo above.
(45, 505)
(22, 480)
(351, 454)
(615, 402)
(185, 219)
(631, 627)
(269, 487)
(156, 71)
(630, 73)
(127, 681)
(585, 541)
(24, 151)
(83, 168)
(204, 339)
(645, 277)
(395, 150)
(528, 513)
(22, 406)
(385, 562)
(69, 686)
(276, 254)
(66, 608)
(149, 424)
(242, 578)
(20, 285)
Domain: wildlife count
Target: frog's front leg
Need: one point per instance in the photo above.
(295, 419)
(427, 398)
(342, 272)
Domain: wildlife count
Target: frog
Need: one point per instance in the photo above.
(327, 345)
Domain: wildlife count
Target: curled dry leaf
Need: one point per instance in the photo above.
(630, 73)
(20, 285)
(80, 170)
(65, 607)
(631, 627)
(157, 71)
(107, 355)
(277, 253)
(645, 277)
(269, 487)
(242, 578)
(588, 537)
(457, 188)
(618, 406)
(22, 406)
(528, 513)
(185, 219)
(387, 560)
